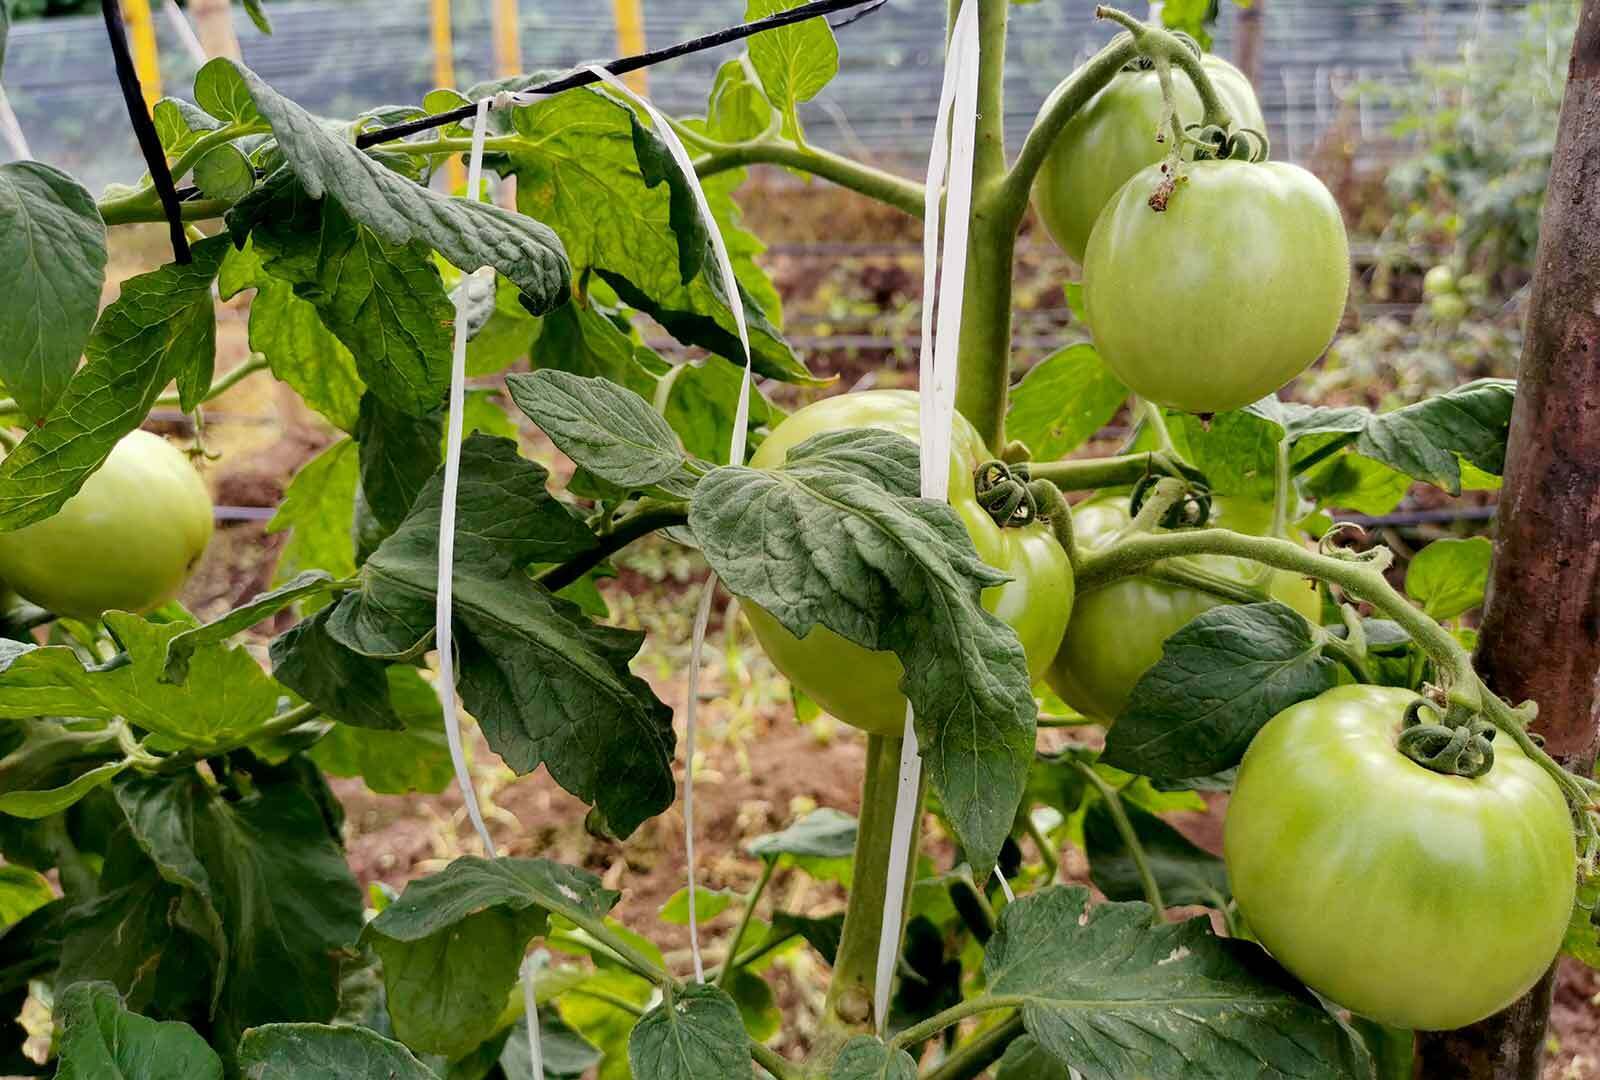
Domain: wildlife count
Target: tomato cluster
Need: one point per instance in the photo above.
(127, 541)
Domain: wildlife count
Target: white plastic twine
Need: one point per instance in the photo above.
(949, 175)
(736, 451)
(442, 626)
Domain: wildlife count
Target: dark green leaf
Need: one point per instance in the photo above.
(385, 301)
(1115, 994)
(657, 166)
(1236, 450)
(1185, 874)
(347, 686)
(258, 15)
(577, 170)
(585, 341)
(265, 886)
(399, 454)
(835, 539)
(321, 1052)
(700, 401)
(290, 333)
(467, 232)
(609, 430)
(52, 264)
(867, 1058)
(1352, 482)
(694, 1034)
(1424, 440)
(162, 327)
(416, 758)
(1064, 399)
(1025, 1059)
(1218, 682)
(567, 1054)
(35, 804)
(1448, 577)
(259, 607)
(532, 667)
(452, 943)
(821, 934)
(101, 1040)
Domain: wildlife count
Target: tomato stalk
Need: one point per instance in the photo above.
(1361, 577)
(768, 865)
(979, 1052)
(1119, 816)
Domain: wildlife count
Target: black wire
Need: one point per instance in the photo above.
(145, 129)
(627, 64)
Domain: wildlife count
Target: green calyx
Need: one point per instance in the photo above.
(1448, 747)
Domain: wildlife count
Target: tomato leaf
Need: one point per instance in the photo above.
(1025, 1059)
(347, 686)
(453, 942)
(608, 429)
(399, 455)
(793, 62)
(587, 341)
(567, 1054)
(693, 1034)
(323, 1052)
(577, 168)
(1218, 682)
(1424, 440)
(318, 509)
(220, 91)
(290, 333)
(265, 887)
(823, 834)
(1353, 482)
(259, 607)
(1062, 401)
(1115, 994)
(1185, 874)
(700, 400)
(161, 327)
(415, 758)
(224, 173)
(1448, 577)
(52, 264)
(1582, 941)
(467, 232)
(737, 108)
(838, 538)
(100, 1038)
(708, 904)
(533, 668)
(22, 892)
(179, 124)
(867, 1058)
(35, 804)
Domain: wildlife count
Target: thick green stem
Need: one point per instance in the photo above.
(896, 191)
(616, 1001)
(140, 206)
(640, 523)
(1119, 816)
(848, 1008)
(728, 967)
(1086, 474)
(978, 1053)
(956, 1013)
(774, 1062)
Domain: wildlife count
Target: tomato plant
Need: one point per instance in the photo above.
(1253, 254)
(1108, 141)
(860, 687)
(1116, 633)
(175, 897)
(127, 540)
(1465, 882)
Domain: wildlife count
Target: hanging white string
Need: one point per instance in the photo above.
(950, 175)
(442, 626)
(12, 130)
(736, 451)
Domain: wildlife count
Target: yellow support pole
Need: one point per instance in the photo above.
(507, 43)
(630, 39)
(142, 41)
(444, 74)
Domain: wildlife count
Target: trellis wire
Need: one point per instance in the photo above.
(950, 162)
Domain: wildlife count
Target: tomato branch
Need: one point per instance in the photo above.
(1119, 816)
(768, 865)
(642, 522)
(979, 1052)
(956, 1013)
(895, 191)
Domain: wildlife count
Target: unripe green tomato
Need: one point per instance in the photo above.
(1223, 297)
(1116, 633)
(1114, 136)
(860, 686)
(126, 541)
(1475, 286)
(1448, 308)
(1416, 899)
(1438, 281)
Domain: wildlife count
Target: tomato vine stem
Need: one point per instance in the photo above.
(1119, 817)
(978, 1053)
(768, 865)
(637, 525)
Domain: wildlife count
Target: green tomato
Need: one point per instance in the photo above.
(861, 686)
(1448, 308)
(1439, 281)
(1114, 136)
(1417, 899)
(1221, 299)
(1116, 633)
(1473, 285)
(126, 541)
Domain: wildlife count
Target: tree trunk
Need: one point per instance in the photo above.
(213, 24)
(1252, 31)
(1541, 629)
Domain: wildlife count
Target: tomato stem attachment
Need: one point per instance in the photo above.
(1465, 750)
